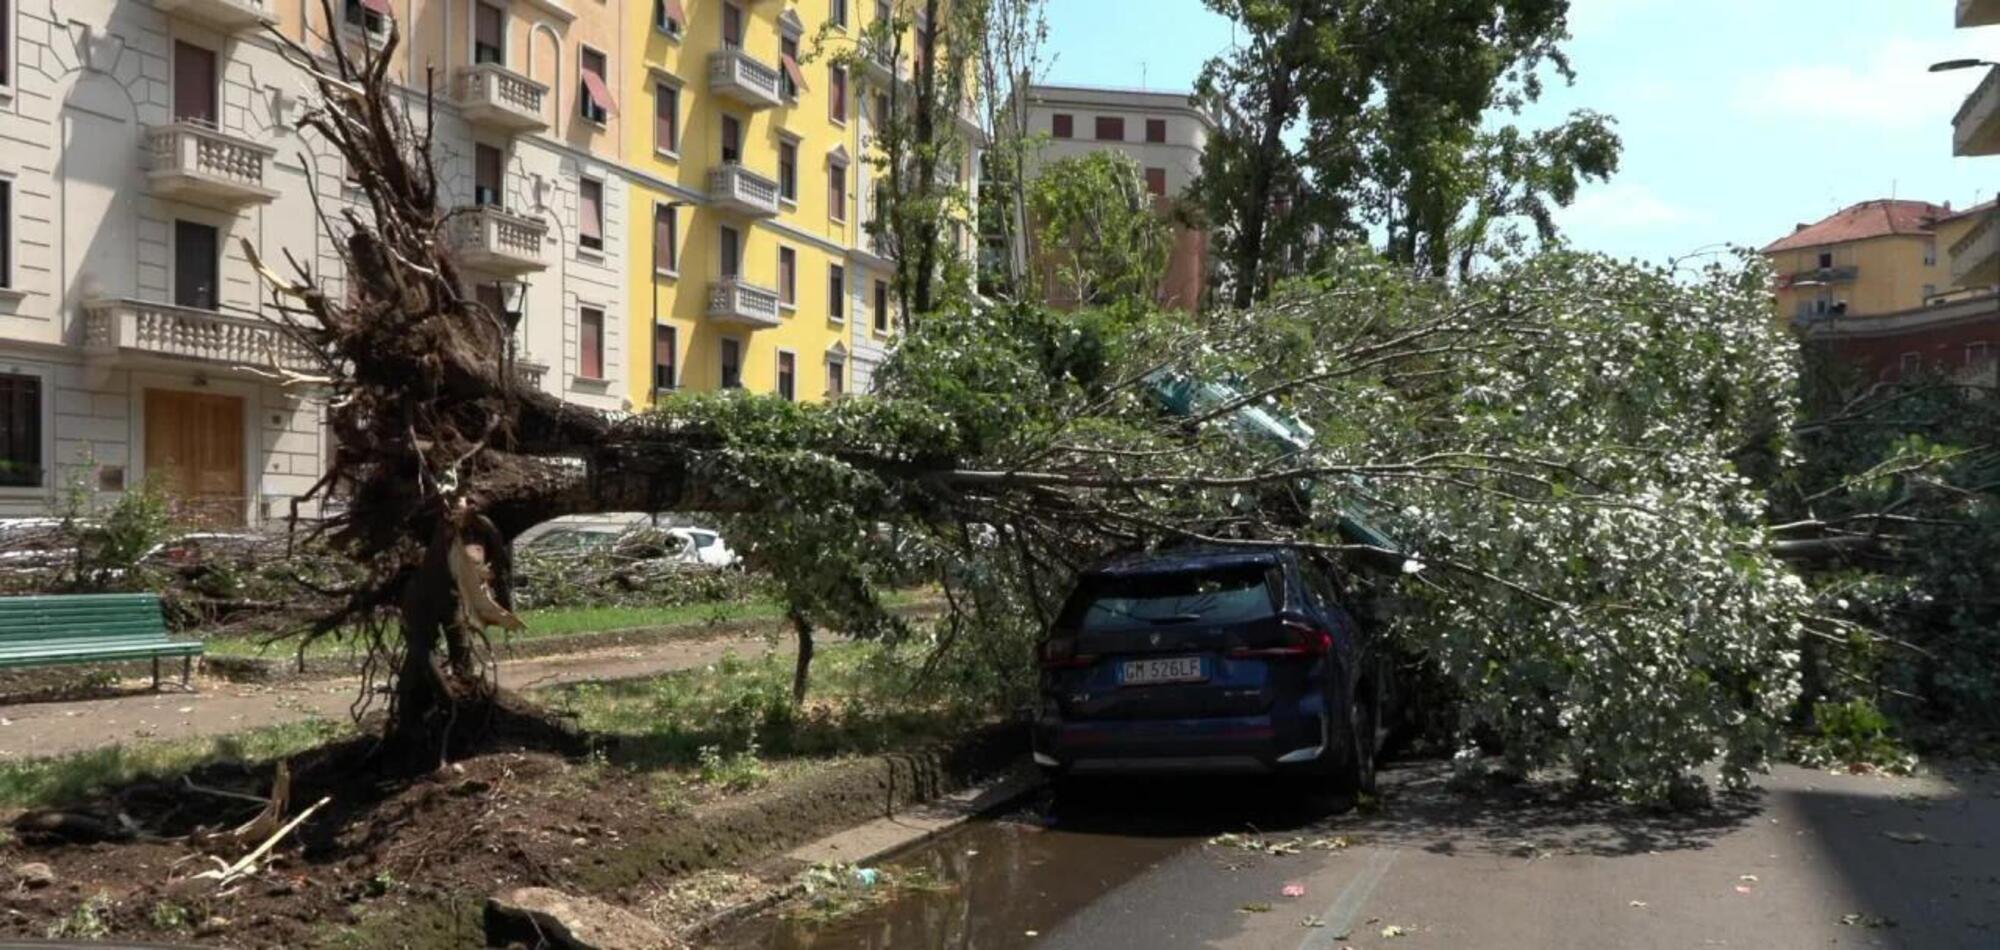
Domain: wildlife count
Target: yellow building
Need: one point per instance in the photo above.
(749, 188)
(1874, 257)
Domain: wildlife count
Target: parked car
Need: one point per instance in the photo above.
(35, 544)
(690, 545)
(1211, 660)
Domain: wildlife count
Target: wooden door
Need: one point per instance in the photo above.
(194, 448)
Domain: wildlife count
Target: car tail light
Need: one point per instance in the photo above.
(1306, 639)
(1059, 653)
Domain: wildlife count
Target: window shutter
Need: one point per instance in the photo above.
(590, 210)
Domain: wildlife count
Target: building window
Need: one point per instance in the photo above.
(1110, 128)
(1930, 253)
(370, 15)
(881, 306)
(669, 17)
(6, 43)
(666, 356)
(839, 14)
(836, 97)
(788, 376)
(732, 26)
(666, 239)
(194, 85)
(1156, 130)
(836, 293)
(836, 191)
(1912, 364)
(732, 363)
(788, 57)
(1063, 126)
(666, 118)
(489, 34)
(1930, 290)
(732, 140)
(196, 262)
(595, 94)
(788, 277)
(20, 430)
(590, 213)
(590, 335)
(1156, 182)
(788, 171)
(6, 223)
(1825, 260)
(881, 108)
(1978, 354)
(732, 251)
(488, 174)
(836, 377)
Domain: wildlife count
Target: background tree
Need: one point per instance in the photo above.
(1345, 118)
(1010, 63)
(1102, 240)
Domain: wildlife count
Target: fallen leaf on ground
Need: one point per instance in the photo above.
(1752, 878)
(1393, 931)
(1872, 921)
(1638, 903)
(1031, 933)
(1294, 890)
(1312, 920)
(1907, 837)
(1254, 907)
(1744, 888)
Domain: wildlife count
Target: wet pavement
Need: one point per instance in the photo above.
(1812, 859)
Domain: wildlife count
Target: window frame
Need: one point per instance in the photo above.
(836, 289)
(506, 29)
(1150, 173)
(673, 361)
(1102, 122)
(174, 258)
(44, 422)
(836, 94)
(9, 213)
(838, 14)
(603, 359)
(1909, 365)
(585, 106)
(214, 90)
(724, 346)
(665, 86)
(499, 202)
(1062, 125)
(788, 277)
(666, 25)
(1156, 125)
(672, 215)
(882, 320)
(788, 189)
(7, 57)
(583, 241)
(836, 191)
(836, 376)
(786, 385)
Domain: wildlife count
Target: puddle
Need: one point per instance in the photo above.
(1000, 880)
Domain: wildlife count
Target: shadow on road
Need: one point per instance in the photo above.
(1416, 809)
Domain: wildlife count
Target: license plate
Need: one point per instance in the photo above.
(1173, 669)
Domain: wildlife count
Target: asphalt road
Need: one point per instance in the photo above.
(1812, 859)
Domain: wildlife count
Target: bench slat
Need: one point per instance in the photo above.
(44, 630)
(135, 649)
(51, 631)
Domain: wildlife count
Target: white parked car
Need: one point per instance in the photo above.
(704, 547)
(584, 534)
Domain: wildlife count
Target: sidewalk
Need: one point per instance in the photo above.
(29, 730)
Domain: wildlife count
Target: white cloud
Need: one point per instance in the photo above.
(1889, 88)
(1623, 207)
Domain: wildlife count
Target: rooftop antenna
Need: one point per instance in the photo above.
(1142, 74)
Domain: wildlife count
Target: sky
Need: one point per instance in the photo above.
(1740, 118)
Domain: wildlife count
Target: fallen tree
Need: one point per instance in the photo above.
(1551, 442)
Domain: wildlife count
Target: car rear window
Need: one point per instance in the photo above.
(1234, 595)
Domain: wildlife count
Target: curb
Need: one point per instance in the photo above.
(980, 801)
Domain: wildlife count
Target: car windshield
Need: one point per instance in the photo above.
(1232, 595)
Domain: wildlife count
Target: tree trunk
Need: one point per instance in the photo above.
(803, 669)
(1263, 166)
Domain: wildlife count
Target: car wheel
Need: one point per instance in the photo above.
(1353, 764)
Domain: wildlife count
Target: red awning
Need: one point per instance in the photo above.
(798, 76)
(379, 6)
(676, 13)
(600, 94)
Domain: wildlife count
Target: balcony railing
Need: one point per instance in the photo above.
(1823, 275)
(493, 96)
(1975, 258)
(733, 74)
(530, 370)
(144, 328)
(735, 188)
(732, 300)
(197, 163)
(1976, 127)
(492, 241)
(229, 16)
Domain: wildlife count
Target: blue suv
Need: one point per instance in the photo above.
(1211, 660)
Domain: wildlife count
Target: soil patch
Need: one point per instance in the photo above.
(410, 862)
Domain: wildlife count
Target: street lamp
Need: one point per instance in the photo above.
(1951, 65)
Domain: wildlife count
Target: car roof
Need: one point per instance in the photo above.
(1184, 560)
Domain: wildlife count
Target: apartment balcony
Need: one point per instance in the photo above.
(493, 242)
(530, 371)
(228, 16)
(492, 96)
(738, 190)
(1976, 128)
(1815, 276)
(142, 332)
(1978, 13)
(735, 301)
(192, 162)
(1975, 258)
(734, 75)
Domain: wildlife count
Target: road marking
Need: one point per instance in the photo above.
(1340, 915)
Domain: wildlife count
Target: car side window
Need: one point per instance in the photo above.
(1324, 594)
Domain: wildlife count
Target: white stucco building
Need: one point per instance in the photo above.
(146, 141)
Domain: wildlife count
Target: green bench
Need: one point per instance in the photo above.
(89, 628)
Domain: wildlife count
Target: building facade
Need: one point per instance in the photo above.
(1163, 132)
(622, 174)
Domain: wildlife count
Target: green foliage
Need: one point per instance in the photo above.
(57, 780)
(738, 771)
(1100, 238)
(91, 920)
(1851, 734)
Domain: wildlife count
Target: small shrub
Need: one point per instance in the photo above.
(737, 771)
(91, 920)
(1853, 733)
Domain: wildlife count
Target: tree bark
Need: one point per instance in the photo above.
(1278, 109)
(802, 670)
